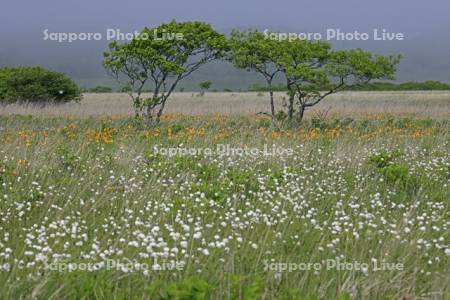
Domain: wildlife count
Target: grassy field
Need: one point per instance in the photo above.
(435, 104)
(95, 208)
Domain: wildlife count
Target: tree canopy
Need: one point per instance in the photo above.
(312, 69)
(162, 61)
(251, 50)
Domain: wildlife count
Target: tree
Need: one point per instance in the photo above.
(36, 85)
(301, 62)
(313, 72)
(204, 86)
(253, 51)
(162, 61)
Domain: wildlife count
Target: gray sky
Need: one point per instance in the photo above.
(426, 25)
(409, 16)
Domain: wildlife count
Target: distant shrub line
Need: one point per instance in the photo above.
(374, 86)
(99, 89)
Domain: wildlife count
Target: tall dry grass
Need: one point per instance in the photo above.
(356, 104)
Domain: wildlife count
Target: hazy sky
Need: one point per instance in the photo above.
(423, 23)
(409, 16)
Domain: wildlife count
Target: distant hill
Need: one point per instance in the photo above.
(425, 57)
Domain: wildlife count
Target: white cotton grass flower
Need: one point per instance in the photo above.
(183, 223)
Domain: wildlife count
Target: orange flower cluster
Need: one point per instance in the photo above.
(104, 136)
(21, 162)
(70, 130)
(28, 137)
(152, 133)
(218, 129)
(188, 133)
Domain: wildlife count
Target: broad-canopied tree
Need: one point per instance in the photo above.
(162, 57)
(313, 71)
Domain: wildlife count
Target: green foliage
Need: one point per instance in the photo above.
(67, 157)
(384, 158)
(246, 288)
(309, 67)
(372, 86)
(357, 66)
(281, 115)
(101, 89)
(5, 171)
(251, 50)
(242, 179)
(392, 171)
(302, 62)
(375, 86)
(126, 89)
(395, 173)
(205, 85)
(191, 288)
(162, 61)
(406, 86)
(36, 85)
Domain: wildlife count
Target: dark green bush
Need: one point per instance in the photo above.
(36, 85)
(394, 172)
(384, 158)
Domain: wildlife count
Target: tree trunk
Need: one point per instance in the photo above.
(272, 104)
(148, 117)
(291, 95)
(300, 113)
(291, 107)
(136, 102)
(160, 111)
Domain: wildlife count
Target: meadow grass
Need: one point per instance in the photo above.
(101, 194)
(417, 104)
